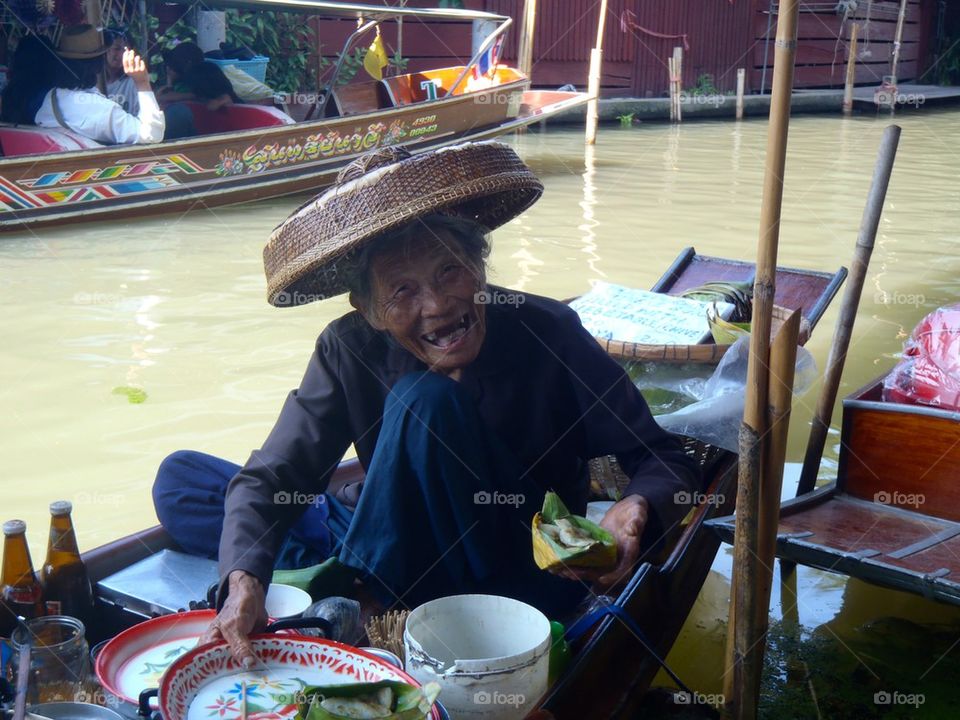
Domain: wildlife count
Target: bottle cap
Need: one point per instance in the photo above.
(61, 507)
(14, 527)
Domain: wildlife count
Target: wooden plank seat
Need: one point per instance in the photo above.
(235, 117)
(30, 140)
(361, 97)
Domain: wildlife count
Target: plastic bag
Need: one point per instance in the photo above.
(716, 415)
(929, 373)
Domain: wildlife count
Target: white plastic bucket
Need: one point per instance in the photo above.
(490, 654)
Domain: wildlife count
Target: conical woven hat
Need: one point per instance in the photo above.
(382, 191)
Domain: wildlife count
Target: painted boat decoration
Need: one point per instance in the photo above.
(254, 152)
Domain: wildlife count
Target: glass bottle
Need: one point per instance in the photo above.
(66, 585)
(20, 592)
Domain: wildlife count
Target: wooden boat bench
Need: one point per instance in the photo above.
(893, 515)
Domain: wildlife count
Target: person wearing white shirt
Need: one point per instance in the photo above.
(75, 103)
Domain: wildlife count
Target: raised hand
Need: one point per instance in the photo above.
(136, 68)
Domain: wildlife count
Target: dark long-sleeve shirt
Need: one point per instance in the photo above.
(540, 381)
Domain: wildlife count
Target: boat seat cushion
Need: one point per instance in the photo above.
(235, 117)
(26, 140)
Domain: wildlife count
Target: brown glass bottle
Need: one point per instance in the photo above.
(66, 585)
(20, 591)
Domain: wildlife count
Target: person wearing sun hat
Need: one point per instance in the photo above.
(75, 102)
(465, 403)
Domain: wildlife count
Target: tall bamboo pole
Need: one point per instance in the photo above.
(783, 359)
(848, 309)
(593, 84)
(851, 72)
(746, 668)
(898, 38)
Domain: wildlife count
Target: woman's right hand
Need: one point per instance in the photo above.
(243, 613)
(136, 68)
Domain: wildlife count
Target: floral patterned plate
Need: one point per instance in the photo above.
(136, 659)
(208, 683)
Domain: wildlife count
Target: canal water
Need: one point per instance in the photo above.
(127, 341)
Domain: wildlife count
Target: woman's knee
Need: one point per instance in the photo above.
(426, 390)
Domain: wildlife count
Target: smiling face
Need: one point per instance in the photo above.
(423, 293)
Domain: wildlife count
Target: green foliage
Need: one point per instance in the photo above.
(283, 37)
(399, 63)
(626, 120)
(177, 33)
(351, 65)
(705, 86)
(947, 67)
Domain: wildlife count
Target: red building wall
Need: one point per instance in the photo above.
(721, 36)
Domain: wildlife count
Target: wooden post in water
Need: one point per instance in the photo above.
(741, 86)
(848, 309)
(678, 69)
(851, 71)
(748, 654)
(783, 361)
(593, 83)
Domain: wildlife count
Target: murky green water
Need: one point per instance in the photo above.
(175, 307)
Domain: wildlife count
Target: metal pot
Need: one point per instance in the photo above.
(73, 711)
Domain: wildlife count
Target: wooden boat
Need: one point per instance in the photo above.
(253, 152)
(893, 515)
(613, 668)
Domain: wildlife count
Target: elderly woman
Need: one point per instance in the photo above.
(465, 403)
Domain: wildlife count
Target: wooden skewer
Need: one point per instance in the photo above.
(243, 700)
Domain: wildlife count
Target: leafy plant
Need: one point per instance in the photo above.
(283, 37)
(351, 65)
(626, 120)
(705, 86)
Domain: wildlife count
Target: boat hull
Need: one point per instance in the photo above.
(240, 167)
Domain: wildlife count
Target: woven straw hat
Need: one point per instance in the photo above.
(382, 191)
(81, 42)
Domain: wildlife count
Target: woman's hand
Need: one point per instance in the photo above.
(136, 68)
(626, 521)
(243, 613)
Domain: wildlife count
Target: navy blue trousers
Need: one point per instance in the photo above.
(444, 508)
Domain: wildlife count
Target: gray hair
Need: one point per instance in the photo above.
(470, 237)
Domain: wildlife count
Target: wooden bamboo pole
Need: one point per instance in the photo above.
(741, 87)
(897, 40)
(742, 700)
(672, 73)
(593, 83)
(848, 309)
(851, 71)
(678, 67)
(783, 360)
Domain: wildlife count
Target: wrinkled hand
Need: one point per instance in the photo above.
(626, 521)
(243, 613)
(136, 68)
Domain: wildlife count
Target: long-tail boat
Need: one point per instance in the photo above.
(892, 516)
(613, 668)
(253, 152)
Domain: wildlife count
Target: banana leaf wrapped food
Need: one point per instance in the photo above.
(563, 539)
(386, 699)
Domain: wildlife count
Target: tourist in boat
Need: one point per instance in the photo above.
(29, 78)
(120, 86)
(465, 403)
(75, 103)
(191, 77)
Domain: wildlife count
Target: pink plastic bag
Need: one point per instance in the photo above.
(929, 373)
